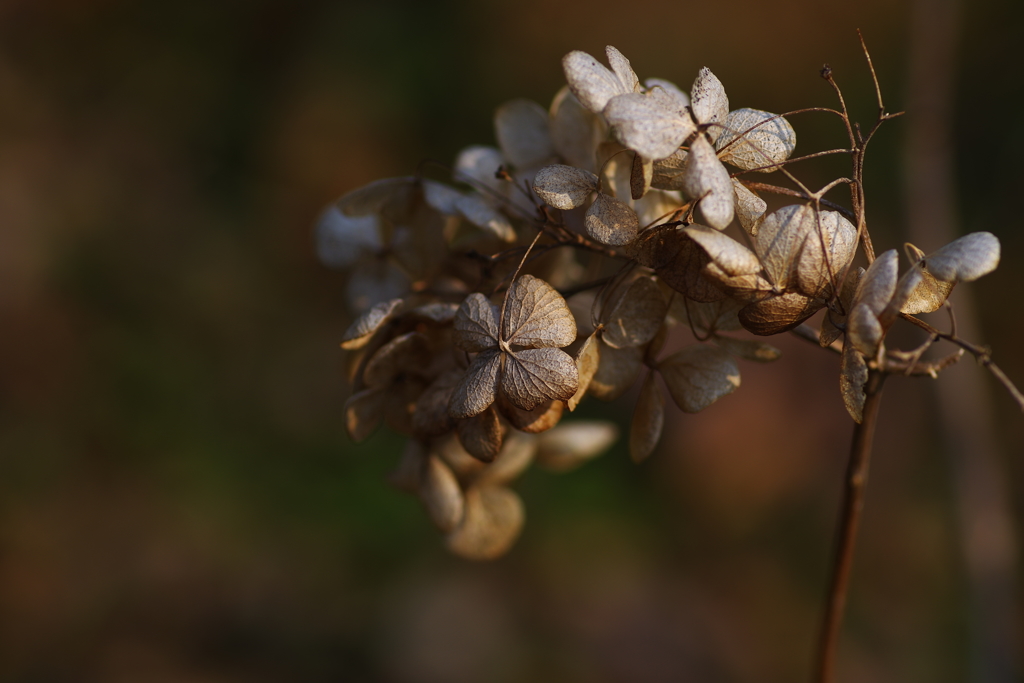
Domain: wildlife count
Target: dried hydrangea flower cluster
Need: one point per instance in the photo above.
(631, 201)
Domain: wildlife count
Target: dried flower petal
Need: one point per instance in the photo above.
(490, 525)
(611, 221)
(620, 65)
(699, 375)
(749, 349)
(648, 420)
(476, 324)
(564, 187)
(568, 446)
(588, 357)
(516, 455)
(342, 240)
(965, 259)
(363, 413)
(540, 418)
(864, 331)
(521, 127)
(879, 282)
(360, 331)
(640, 176)
(431, 416)
(537, 316)
(705, 178)
(652, 124)
(709, 102)
(853, 375)
(778, 313)
(401, 353)
(477, 389)
(780, 240)
(770, 140)
(636, 316)
(533, 376)
(667, 173)
(670, 88)
(616, 372)
(481, 435)
(750, 208)
(591, 82)
(575, 132)
(678, 260)
(818, 269)
(439, 490)
(728, 254)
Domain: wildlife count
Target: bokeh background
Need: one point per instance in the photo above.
(178, 499)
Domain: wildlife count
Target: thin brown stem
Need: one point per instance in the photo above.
(849, 521)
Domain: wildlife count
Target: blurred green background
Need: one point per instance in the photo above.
(178, 499)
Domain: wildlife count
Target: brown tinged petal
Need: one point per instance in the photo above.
(481, 435)
(564, 187)
(636, 316)
(780, 240)
(728, 254)
(699, 375)
(516, 455)
(491, 523)
(541, 418)
(678, 260)
(363, 413)
(431, 416)
(536, 316)
(750, 208)
(640, 176)
(476, 324)
(817, 268)
(667, 173)
(361, 330)
(864, 331)
(405, 352)
(879, 282)
(648, 420)
(407, 474)
(568, 446)
(777, 314)
(611, 221)
(533, 376)
(748, 349)
(616, 372)
(441, 495)
(705, 178)
(853, 375)
(588, 358)
(478, 387)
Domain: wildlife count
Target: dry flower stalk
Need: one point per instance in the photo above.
(465, 342)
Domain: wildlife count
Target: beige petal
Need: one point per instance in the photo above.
(516, 455)
(753, 138)
(616, 372)
(670, 89)
(648, 420)
(750, 208)
(928, 293)
(478, 211)
(564, 187)
(780, 240)
(407, 351)
(481, 435)
(818, 268)
(476, 324)
(705, 178)
(521, 127)
(569, 445)
(748, 349)
(477, 389)
(363, 413)
(611, 221)
(699, 375)
(864, 331)
(728, 254)
(588, 357)
(493, 519)
(540, 418)
(748, 288)
(360, 331)
(450, 449)
(651, 124)
(879, 282)
(640, 177)
(431, 416)
(829, 331)
(965, 259)
(853, 375)
(709, 102)
(636, 315)
(439, 490)
(622, 69)
(575, 132)
(480, 163)
(536, 316)
(440, 313)
(590, 81)
(778, 313)
(533, 376)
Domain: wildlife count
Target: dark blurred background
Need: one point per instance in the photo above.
(178, 499)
